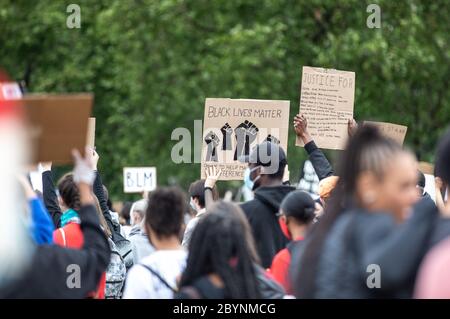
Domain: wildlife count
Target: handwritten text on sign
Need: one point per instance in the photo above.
(139, 179)
(327, 98)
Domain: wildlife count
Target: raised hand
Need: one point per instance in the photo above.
(212, 175)
(226, 136)
(83, 172)
(212, 141)
(352, 126)
(301, 128)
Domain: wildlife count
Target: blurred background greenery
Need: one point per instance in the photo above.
(151, 64)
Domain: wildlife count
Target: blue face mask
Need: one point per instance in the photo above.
(247, 180)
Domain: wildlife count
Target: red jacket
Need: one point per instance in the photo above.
(280, 268)
(71, 236)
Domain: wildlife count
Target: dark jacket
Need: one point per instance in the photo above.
(48, 273)
(261, 214)
(319, 161)
(359, 239)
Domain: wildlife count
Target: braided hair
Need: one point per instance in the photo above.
(68, 190)
(219, 246)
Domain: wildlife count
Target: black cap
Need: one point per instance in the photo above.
(267, 154)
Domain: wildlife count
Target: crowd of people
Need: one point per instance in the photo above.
(372, 231)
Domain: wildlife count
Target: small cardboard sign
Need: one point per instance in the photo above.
(56, 125)
(393, 131)
(139, 179)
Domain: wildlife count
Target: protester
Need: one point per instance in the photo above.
(155, 276)
(140, 244)
(220, 263)
(268, 287)
(297, 211)
(267, 162)
(197, 202)
(322, 167)
(370, 223)
(47, 274)
(433, 279)
(41, 224)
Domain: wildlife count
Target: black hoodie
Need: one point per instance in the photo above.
(261, 214)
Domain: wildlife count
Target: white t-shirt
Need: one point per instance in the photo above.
(142, 284)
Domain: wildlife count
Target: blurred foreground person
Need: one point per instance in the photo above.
(57, 272)
(372, 236)
(154, 277)
(434, 277)
(16, 246)
(220, 264)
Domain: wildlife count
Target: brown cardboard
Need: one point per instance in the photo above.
(57, 124)
(271, 117)
(426, 168)
(326, 99)
(394, 131)
(91, 133)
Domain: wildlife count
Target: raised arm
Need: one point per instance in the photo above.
(212, 175)
(49, 195)
(318, 159)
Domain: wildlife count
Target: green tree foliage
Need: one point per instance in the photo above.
(151, 64)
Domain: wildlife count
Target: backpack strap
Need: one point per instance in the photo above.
(157, 275)
(63, 235)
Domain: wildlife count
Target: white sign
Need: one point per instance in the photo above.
(139, 179)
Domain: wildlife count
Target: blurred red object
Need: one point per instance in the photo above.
(10, 98)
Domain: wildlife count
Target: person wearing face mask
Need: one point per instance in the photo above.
(197, 203)
(264, 175)
(297, 212)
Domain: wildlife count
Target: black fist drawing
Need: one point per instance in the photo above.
(226, 136)
(212, 141)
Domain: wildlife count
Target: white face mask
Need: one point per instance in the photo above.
(192, 204)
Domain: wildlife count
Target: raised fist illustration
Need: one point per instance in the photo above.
(272, 139)
(246, 133)
(212, 141)
(226, 136)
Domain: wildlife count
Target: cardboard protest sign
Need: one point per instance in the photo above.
(326, 99)
(394, 131)
(232, 127)
(139, 179)
(57, 124)
(426, 168)
(90, 139)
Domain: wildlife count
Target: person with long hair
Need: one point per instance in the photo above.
(372, 236)
(220, 263)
